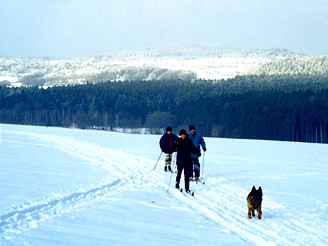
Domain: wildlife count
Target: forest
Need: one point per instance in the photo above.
(289, 108)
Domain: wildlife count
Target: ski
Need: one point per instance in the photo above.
(197, 181)
(200, 181)
(189, 192)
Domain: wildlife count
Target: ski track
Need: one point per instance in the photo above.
(226, 205)
(220, 201)
(29, 215)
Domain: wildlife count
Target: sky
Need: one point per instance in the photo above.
(69, 28)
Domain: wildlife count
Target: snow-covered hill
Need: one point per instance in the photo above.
(298, 65)
(80, 187)
(195, 62)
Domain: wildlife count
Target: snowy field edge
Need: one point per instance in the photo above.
(81, 187)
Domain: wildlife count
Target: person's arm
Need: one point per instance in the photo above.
(202, 143)
(175, 140)
(193, 148)
(161, 143)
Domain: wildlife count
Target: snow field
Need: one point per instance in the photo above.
(67, 186)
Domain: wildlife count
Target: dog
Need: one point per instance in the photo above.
(254, 202)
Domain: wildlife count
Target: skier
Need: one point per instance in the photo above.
(184, 162)
(167, 144)
(198, 141)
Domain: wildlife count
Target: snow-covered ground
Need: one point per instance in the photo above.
(85, 187)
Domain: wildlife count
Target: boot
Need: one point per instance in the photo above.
(165, 168)
(170, 169)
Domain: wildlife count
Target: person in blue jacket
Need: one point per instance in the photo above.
(167, 144)
(185, 148)
(199, 142)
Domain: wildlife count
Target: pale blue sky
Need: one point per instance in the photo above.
(66, 28)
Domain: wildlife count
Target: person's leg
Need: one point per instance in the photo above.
(180, 168)
(196, 165)
(168, 160)
(187, 174)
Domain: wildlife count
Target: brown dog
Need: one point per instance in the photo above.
(254, 202)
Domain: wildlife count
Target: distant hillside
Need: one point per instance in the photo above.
(209, 51)
(49, 71)
(299, 65)
(173, 62)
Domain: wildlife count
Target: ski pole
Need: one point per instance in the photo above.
(168, 187)
(174, 156)
(203, 165)
(174, 162)
(158, 160)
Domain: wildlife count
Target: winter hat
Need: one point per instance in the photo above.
(192, 127)
(168, 129)
(183, 132)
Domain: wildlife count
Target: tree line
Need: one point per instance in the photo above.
(291, 108)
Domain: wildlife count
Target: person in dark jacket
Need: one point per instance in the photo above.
(184, 161)
(167, 144)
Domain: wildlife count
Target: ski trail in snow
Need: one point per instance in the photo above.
(120, 178)
(226, 205)
(219, 200)
(28, 215)
(112, 160)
